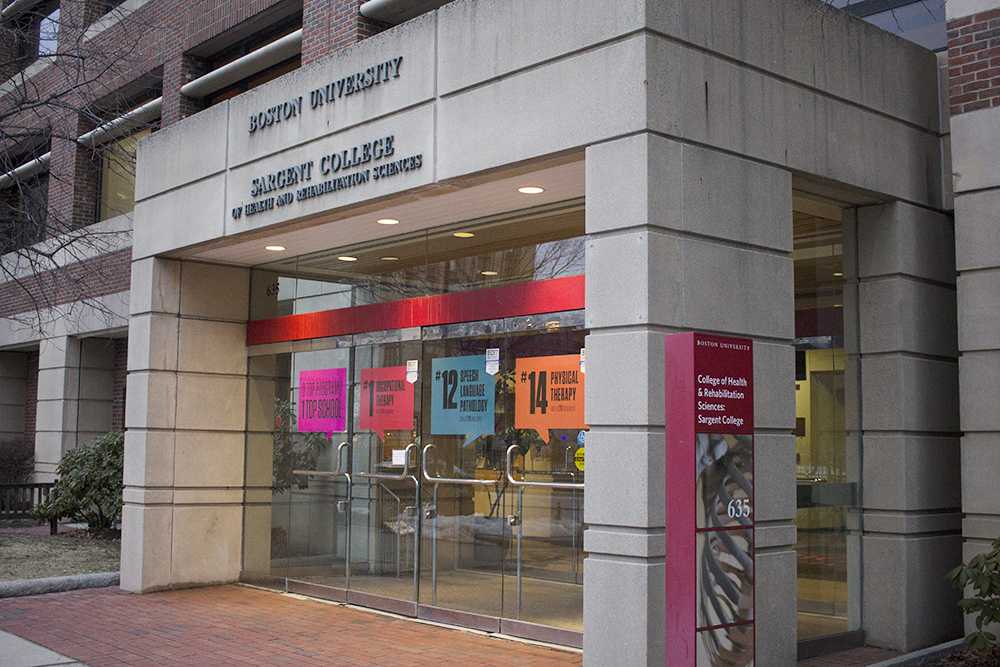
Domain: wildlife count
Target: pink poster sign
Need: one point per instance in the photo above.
(323, 401)
(386, 400)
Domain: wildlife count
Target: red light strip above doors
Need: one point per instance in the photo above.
(519, 299)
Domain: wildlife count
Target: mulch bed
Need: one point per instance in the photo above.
(969, 659)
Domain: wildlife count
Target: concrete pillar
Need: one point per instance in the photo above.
(907, 350)
(185, 417)
(975, 128)
(13, 383)
(58, 403)
(97, 359)
(74, 398)
(680, 238)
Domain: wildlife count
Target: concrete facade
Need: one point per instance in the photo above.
(694, 125)
(678, 181)
(906, 318)
(672, 222)
(185, 417)
(976, 148)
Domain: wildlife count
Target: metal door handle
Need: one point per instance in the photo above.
(452, 480)
(513, 449)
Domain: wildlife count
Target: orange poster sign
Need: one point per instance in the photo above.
(549, 393)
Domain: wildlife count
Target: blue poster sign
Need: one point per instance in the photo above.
(463, 397)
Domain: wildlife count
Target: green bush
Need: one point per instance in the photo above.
(980, 578)
(292, 450)
(17, 461)
(89, 487)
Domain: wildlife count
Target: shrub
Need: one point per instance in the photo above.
(292, 450)
(17, 462)
(981, 578)
(90, 485)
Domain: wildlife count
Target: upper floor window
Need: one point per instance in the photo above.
(255, 80)
(117, 194)
(24, 212)
(48, 34)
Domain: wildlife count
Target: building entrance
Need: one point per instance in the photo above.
(436, 471)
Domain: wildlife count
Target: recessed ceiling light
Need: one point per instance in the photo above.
(531, 190)
(838, 305)
(838, 274)
(347, 258)
(274, 248)
(463, 235)
(488, 273)
(389, 258)
(387, 221)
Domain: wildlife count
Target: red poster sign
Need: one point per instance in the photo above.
(709, 483)
(386, 400)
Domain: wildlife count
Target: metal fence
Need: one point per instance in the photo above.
(18, 501)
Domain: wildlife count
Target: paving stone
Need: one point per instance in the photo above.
(226, 625)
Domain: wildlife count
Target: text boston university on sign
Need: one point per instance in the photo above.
(329, 165)
(328, 94)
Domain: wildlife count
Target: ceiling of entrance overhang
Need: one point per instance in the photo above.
(474, 199)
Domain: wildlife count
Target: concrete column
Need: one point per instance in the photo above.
(13, 383)
(680, 238)
(74, 398)
(907, 347)
(185, 417)
(975, 127)
(97, 359)
(58, 403)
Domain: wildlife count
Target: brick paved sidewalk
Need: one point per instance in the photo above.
(235, 625)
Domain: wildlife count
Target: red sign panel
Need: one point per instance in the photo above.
(386, 400)
(709, 491)
(530, 298)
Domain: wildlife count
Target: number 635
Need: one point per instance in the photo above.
(738, 508)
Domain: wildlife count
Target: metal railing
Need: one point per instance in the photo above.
(405, 475)
(18, 501)
(432, 513)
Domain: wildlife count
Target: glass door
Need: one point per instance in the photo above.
(544, 475)
(464, 523)
(310, 457)
(504, 552)
(386, 498)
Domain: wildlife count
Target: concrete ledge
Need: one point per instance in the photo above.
(923, 656)
(22, 587)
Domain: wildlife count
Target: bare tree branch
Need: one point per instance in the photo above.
(65, 79)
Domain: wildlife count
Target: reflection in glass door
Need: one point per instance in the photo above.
(311, 452)
(386, 502)
(440, 476)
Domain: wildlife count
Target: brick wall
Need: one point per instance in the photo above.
(331, 25)
(95, 277)
(153, 42)
(119, 374)
(31, 398)
(974, 62)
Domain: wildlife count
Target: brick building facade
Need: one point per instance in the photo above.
(851, 144)
(149, 49)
